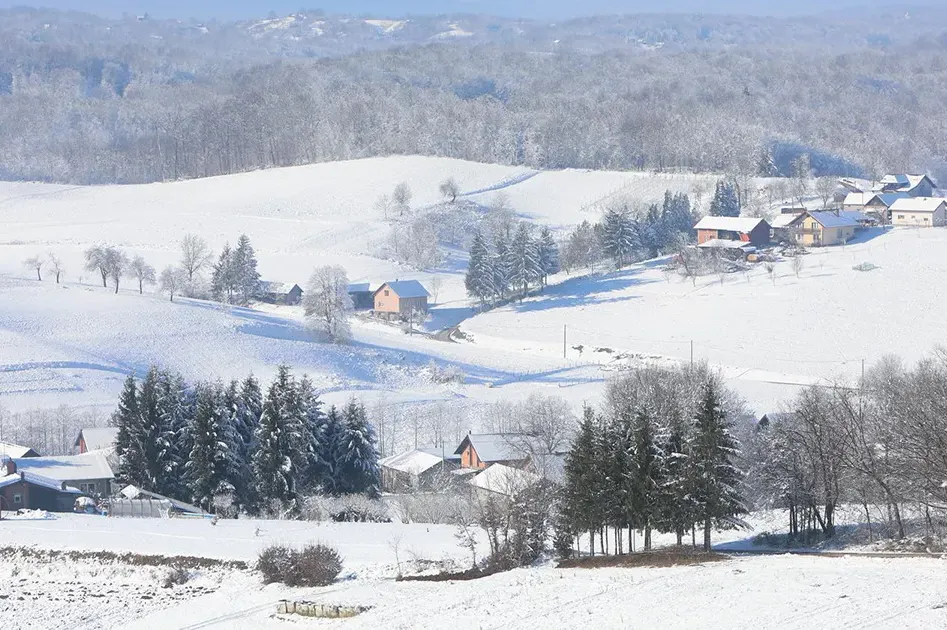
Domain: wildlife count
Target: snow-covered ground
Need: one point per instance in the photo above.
(743, 592)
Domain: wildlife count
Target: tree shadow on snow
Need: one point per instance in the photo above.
(584, 291)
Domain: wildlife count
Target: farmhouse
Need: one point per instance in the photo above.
(401, 298)
(96, 439)
(480, 450)
(876, 204)
(746, 229)
(9, 449)
(817, 229)
(417, 469)
(24, 490)
(90, 472)
(281, 293)
(363, 298)
(919, 212)
(500, 480)
(911, 185)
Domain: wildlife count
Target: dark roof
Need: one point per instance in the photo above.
(360, 287)
(406, 288)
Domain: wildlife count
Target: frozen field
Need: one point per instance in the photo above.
(766, 592)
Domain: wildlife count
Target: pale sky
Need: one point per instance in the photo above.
(542, 9)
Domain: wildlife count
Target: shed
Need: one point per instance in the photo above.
(96, 439)
(24, 490)
(502, 480)
(281, 293)
(418, 469)
(90, 472)
(363, 297)
(400, 298)
(15, 451)
(746, 229)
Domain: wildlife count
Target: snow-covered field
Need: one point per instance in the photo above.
(742, 592)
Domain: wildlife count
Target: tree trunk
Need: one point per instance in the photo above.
(141, 289)
(707, 535)
(105, 279)
(38, 276)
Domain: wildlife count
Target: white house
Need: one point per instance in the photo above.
(919, 212)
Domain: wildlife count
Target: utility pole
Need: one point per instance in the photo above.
(563, 341)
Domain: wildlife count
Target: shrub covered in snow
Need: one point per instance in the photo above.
(346, 508)
(314, 565)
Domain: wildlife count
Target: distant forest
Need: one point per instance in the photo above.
(86, 100)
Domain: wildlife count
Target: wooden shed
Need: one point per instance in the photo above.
(752, 230)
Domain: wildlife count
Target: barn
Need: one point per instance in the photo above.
(754, 231)
(25, 490)
(401, 298)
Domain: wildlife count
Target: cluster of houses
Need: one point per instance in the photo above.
(488, 464)
(397, 299)
(902, 200)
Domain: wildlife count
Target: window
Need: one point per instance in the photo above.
(83, 487)
(926, 219)
(900, 216)
(91, 488)
(386, 293)
(17, 499)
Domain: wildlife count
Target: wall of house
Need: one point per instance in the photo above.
(386, 301)
(409, 304)
(760, 235)
(469, 458)
(919, 219)
(924, 189)
(706, 235)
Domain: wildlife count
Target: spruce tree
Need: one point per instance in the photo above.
(312, 469)
(480, 275)
(224, 279)
(209, 461)
(583, 488)
(249, 410)
(648, 473)
(548, 255)
(330, 449)
(151, 432)
(358, 471)
(278, 441)
(501, 264)
(246, 276)
(677, 511)
(524, 260)
(131, 466)
(619, 237)
(716, 479)
(174, 411)
(725, 203)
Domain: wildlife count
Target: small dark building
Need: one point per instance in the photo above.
(280, 293)
(752, 230)
(362, 296)
(22, 490)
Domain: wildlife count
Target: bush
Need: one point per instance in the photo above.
(347, 508)
(176, 576)
(314, 565)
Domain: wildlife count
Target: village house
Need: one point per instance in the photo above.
(401, 299)
(919, 212)
(875, 204)
(911, 185)
(91, 472)
(824, 228)
(26, 490)
(363, 298)
(281, 293)
(750, 230)
(419, 469)
(8, 449)
(480, 450)
(95, 439)
(502, 481)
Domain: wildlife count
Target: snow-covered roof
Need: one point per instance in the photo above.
(918, 204)
(36, 480)
(98, 438)
(15, 450)
(93, 465)
(503, 479)
(406, 288)
(730, 224)
(133, 492)
(278, 287)
(904, 181)
(784, 220)
(722, 243)
(360, 287)
(856, 215)
(496, 447)
(863, 199)
(412, 462)
(829, 219)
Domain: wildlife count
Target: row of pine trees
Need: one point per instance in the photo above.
(232, 447)
(235, 279)
(639, 469)
(511, 263)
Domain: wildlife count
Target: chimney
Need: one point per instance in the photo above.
(8, 466)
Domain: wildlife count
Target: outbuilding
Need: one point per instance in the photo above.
(752, 230)
(919, 212)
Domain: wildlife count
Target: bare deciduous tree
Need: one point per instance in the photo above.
(825, 188)
(435, 285)
(328, 304)
(195, 256)
(402, 197)
(449, 189)
(383, 205)
(55, 266)
(171, 281)
(117, 263)
(96, 259)
(141, 271)
(35, 263)
(797, 264)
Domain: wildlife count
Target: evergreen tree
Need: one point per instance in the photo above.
(480, 274)
(151, 432)
(677, 506)
(358, 470)
(249, 409)
(766, 167)
(210, 457)
(330, 449)
(224, 279)
(278, 441)
(619, 238)
(717, 496)
(501, 263)
(131, 464)
(647, 473)
(583, 487)
(174, 412)
(313, 471)
(651, 231)
(524, 259)
(548, 255)
(725, 203)
(246, 276)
